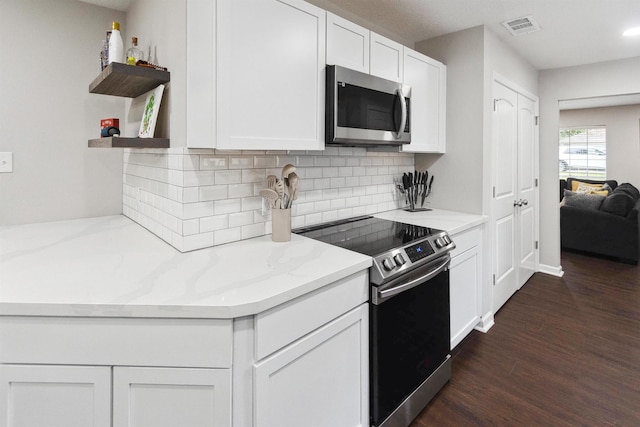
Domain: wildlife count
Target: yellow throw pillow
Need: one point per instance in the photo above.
(584, 187)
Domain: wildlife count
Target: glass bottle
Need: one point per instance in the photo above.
(133, 53)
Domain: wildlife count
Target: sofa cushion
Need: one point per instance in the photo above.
(583, 200)
(570, 182)
(618, 203)
(585, 187)
(629, 189)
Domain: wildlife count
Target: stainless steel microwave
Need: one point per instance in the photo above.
(366, 110)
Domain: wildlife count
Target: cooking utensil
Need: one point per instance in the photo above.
(279, 188)
(293, 188)
(271, 181)
(287, 170)
(271, 196)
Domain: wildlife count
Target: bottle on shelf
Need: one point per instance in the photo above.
(116, 47)
(133, 53)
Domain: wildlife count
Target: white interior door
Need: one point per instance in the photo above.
(505, 160)
(527, 188)
(515, 207)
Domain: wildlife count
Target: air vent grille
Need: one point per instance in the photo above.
(520, 26)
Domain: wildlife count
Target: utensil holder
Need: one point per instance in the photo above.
(280, 225)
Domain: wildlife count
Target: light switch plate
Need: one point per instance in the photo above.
(6, 162)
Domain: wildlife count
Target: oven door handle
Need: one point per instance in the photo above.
(381, 296)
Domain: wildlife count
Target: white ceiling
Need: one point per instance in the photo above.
(574, 32)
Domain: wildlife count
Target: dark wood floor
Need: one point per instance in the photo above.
(563, 352)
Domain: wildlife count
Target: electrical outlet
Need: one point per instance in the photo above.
(6, 162)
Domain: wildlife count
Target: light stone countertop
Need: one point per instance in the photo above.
(111, 266)
(449, 221)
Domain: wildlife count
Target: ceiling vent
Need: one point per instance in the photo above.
(520, 26)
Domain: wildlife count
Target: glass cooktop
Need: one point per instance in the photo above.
(367, 235)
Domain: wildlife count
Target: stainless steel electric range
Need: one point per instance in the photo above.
(408, 311)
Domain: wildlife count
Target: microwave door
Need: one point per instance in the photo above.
(365, 110)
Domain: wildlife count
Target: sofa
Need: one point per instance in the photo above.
(600, 217)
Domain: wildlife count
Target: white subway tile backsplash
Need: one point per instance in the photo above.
(212, 162)
(239, 219)
(253, 230)
(195, 198)
(213, 223)
(254, 175)
(242, 190)
(213, 192)
(221, 237)
(227, 206)
(264, 162)
(228, 177)
(239, 162)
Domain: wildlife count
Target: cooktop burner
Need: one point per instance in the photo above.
(366, 235)
(396, 247)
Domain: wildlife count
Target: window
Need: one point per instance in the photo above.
(583, 152)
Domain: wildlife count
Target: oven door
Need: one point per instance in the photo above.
(410, 338)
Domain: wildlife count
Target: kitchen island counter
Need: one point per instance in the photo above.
(112, 267)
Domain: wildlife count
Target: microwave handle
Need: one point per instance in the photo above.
(403, 119)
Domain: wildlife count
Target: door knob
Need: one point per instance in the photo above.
(517, 203)
(525, 202)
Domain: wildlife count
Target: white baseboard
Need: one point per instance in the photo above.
(554, 271)
(486, 322)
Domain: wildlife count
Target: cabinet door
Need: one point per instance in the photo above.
(55, 396)
(464, 283)
(320, 380)
(270, 82)
(159, 397)
(427, 78)
(386, 58)
(347, 44)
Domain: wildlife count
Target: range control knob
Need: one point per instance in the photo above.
(446, 239)
(399, 259)
(439, 242)
(388, 264)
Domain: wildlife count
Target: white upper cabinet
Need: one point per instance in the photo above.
(428, 80)
(347, 44)
(386, 58)
(265, 63)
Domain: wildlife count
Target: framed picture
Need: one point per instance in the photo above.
(150, 114)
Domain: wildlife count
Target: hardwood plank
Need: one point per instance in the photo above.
(563, 352)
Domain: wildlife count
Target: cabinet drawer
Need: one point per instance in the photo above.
(465, 241)
(119, 341)
(287, 322)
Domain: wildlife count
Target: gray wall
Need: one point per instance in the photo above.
(623, 137)
(49, 53)
(464, 173)
(594, 80)
(458, 174)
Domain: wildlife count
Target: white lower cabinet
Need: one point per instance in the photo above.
(165, 397)
(320, 380)
(303, 362)
(465, 284)
(55, 396)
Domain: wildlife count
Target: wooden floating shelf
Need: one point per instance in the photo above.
(120, 142)
(128, 80)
